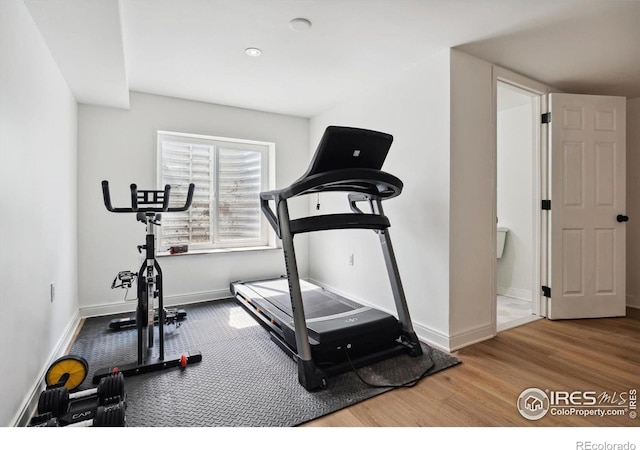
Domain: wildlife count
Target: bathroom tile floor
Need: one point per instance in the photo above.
(513, 312)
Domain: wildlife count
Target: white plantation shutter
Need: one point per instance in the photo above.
(228, 178)
(239, 186)
(184, 163)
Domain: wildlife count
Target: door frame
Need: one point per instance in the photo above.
(541, 184)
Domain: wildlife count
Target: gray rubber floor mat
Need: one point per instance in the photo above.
(243, 380)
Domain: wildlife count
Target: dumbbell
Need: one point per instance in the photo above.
(106, 416)
(56, 400)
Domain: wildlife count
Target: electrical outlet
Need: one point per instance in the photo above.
(52, 291)
(351, 259)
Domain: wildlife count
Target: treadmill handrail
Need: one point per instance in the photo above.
(375, 184)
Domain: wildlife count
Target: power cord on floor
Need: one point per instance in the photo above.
(408, 384)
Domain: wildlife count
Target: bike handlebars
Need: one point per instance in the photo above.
(147, 200)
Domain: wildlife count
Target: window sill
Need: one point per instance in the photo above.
(219, 250)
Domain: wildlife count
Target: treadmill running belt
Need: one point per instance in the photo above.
(334, 323)
(314, 298)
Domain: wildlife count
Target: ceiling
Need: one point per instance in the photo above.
(195, 49)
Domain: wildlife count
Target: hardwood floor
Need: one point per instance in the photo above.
(600, 355)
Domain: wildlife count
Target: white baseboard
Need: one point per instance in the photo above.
(169, 301)
(30, 403)
(633, 301)
(432, 337)
(521, 294)
(472, 336)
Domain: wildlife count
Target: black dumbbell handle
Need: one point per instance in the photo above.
(108, 387)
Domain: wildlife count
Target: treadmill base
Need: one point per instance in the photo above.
(314, 376)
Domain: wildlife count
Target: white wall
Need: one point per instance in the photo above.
(472, 232)
(120, 146)
(443, 224)
(414, 108)
(38, 148)
(515, 199)
(633, 202)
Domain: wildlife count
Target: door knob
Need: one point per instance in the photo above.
(622, 218)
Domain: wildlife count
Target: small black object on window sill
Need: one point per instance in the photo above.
(178, 249)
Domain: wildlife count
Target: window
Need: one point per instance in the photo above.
(228, 175)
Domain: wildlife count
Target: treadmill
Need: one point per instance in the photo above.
(323, 332)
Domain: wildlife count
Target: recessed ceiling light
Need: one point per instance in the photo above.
(252, 51)
(299, 24)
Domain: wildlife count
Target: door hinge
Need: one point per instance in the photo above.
(546, 205)
(546, 117)
(546, 291)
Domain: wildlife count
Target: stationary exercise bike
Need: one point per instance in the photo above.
(148, 206)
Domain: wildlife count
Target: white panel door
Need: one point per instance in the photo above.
(587, 145)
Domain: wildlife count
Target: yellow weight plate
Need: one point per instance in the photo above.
(75, 366)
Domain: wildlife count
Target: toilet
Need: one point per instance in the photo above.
(501, 238)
